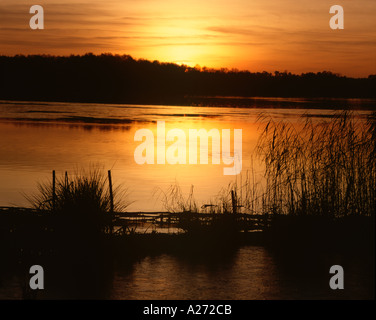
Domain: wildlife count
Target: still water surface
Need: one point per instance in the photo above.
(248, 273)
(36, 138)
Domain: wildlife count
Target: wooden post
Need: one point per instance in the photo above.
(266, 220)
(66, 179)
(111, 199)
(233, 198)
(53, 190)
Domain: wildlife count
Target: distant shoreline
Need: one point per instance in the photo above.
(323, 103)
(110, 78)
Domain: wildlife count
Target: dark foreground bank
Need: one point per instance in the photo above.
(296, 253)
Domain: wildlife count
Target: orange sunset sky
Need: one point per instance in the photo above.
(256, 35)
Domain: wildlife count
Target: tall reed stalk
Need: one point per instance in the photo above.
(320, 168)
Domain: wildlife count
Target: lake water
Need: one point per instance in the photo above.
(247, 273)
(38, 137)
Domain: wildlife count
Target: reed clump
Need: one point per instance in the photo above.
(175, 201)
(325, 168)
(83, 202)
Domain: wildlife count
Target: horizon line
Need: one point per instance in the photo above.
(197, 66)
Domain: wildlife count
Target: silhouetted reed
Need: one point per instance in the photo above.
(325, 168)
(78, 212)
(82, 202)
(174, 201)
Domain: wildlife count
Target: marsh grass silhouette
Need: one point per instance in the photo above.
(320, 185)
(323, 169)
(173, 199)
(79, 211)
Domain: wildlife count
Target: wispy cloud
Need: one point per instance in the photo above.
(256, 35)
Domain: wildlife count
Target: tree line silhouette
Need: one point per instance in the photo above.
(111, 78)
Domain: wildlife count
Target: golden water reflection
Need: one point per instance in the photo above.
(38, 138)
(29, 152)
